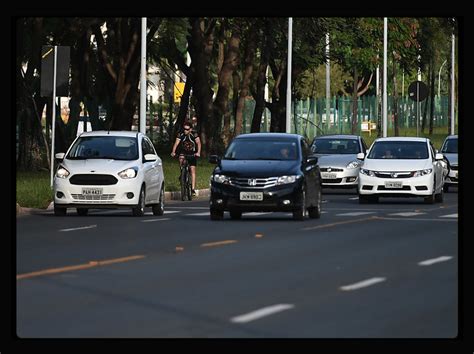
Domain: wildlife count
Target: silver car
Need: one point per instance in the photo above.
(450, 151)
(337, 159)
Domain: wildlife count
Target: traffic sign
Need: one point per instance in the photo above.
(417, 91)
(178, 91)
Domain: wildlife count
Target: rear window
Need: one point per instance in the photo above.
(405, 150)
(263, 149)
(336, 146)
(450, 146)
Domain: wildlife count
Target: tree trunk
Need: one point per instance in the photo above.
(259, 95)
(354, 102)
(432, 97)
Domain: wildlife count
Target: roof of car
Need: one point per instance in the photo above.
(337, 136)
(402, 138)
(112, 133)
(452, 137)
(268, 135)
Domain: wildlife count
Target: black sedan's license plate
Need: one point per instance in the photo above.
(253, 196)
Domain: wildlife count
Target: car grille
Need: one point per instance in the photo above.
(93, 180)
(331, 180)
(383, 188)
(91, 197)
(393, 174)
(259, 182)
(326, 169)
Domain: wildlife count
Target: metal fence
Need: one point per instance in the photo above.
(309, 116)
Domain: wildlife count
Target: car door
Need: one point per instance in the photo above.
(150, 172)
(437, 169)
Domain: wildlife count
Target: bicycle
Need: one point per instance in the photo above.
(185, 179)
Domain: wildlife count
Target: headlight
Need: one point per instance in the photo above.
(353, 164)
(129, 173)
(287, 179)
(62, 172)
(367, 172)
(422, 172)
(221, 179)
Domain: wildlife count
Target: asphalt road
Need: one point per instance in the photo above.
(386, 270)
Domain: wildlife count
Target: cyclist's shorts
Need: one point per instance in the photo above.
(192, 161)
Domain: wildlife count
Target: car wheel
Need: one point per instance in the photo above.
(159, 209)
(82, 211)
(58, 211)
(139, 210)
(300, 213)
(445, 188)
(235, 215)
(315, 212)
(217, 214)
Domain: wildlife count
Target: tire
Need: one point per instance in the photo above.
(431, 198)
(139, 210)
(446, 188)
(300, 213)
(159, 209)
(217, 214)
(58, 211)
(82, 211)
(189, 192)
(183, 182)
(235, 215)
(315, 212)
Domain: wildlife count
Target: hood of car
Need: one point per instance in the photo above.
(258, 168)
(99, 166)
(396, 165)
(452, 158)
(340, 160)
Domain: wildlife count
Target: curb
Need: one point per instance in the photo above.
(168, 196)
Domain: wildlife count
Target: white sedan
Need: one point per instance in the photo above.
(401, 167)
(113, 169)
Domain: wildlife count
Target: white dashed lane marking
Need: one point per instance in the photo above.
(407, 214)
(362, 284)
(266, 311)
(151, 220)
(357, 213)
(79, 228)
(429, 262)
(450, 216)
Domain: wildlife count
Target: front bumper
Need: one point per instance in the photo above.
(227, 198)
(112, 196)
(414, 186)
(345, 178)
(452, 177)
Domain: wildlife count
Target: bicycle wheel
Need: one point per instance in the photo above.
(183, 182)
(189, 186)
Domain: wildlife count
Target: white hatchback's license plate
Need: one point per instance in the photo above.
(328, 175)
(91, 191)
(253, 196)
(393, 185)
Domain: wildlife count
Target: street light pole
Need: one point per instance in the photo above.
(288, 84)
(142, 124)
(452, 86)
(53, 118)
(385, 25)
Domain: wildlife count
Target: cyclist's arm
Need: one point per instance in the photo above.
(176, 143)
(198, 143)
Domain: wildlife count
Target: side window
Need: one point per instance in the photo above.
(145, 147)
(433, 151)
(151, 149)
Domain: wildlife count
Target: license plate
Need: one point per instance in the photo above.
(328, 175)
(91, 191)
(393, 184)
(254, 196)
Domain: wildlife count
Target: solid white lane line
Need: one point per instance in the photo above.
(255, 214)
(356, 213)
(151, 220)
(172, 211)
(355, 198)
(199, 214)
(362, 284)
(450, 216)
(180, 207)
(78, 228)
(407, 214)
(266, 311)
(435, 260)
(416, 219)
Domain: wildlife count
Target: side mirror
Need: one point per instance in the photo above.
(312, 160)
(214, 159)
(360, 156)
(150, 157)
(439, 156)
(59, 156)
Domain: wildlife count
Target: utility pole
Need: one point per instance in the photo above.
(328, 80)
(385, 25)
(53, 120)
(288, 83)
(452, 85)
(142, 124)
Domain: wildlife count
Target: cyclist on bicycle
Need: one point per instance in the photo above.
(188, 143)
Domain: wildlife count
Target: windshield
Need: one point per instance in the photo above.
(405, 150)
(450, 146)
(336, 146)
(104, 147)
(262, 149)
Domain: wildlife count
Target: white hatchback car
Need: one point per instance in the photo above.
(404, 167)
(109, 169)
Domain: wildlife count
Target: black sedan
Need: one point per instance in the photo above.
(266, 172)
